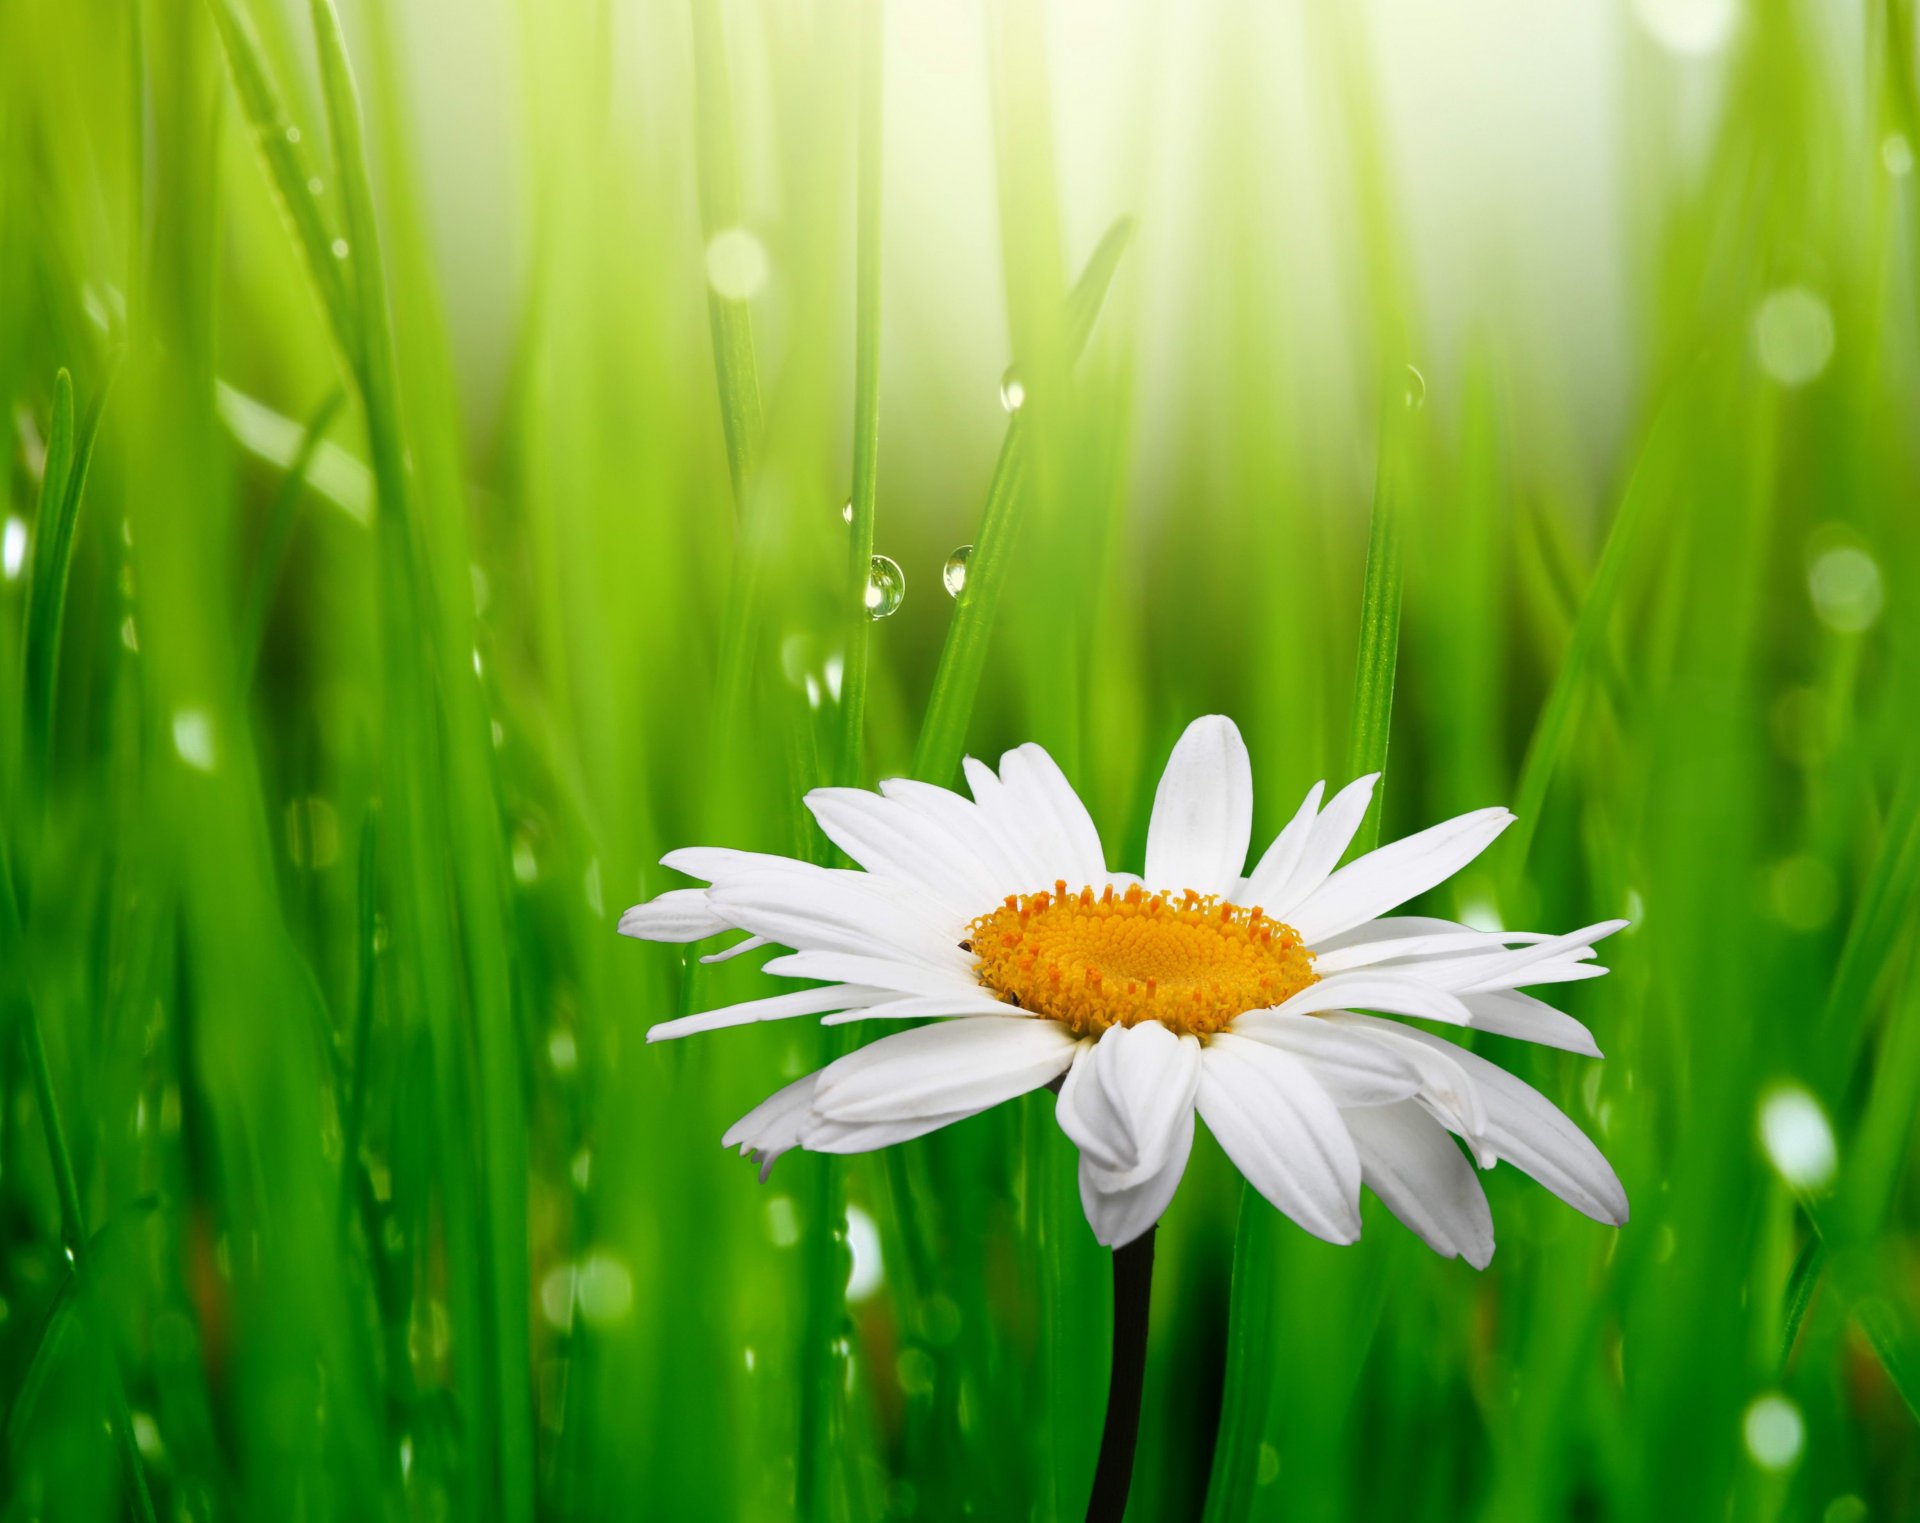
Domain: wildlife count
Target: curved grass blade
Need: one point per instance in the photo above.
(1379, 651)
(278, 536)
(866, 394)
(278, 140)
(1801, 1284)
(963, 656)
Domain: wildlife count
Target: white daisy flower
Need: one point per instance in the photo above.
(1197, 988)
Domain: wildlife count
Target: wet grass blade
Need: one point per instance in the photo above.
(963, 656)
(281, 515)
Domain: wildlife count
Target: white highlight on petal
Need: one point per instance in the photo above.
(1798, 1138)
(1202, 811)
(1775, 1432)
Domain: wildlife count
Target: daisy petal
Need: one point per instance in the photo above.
(773, 1126)
(1327, 842)
(1353, 1065)
(739, 949)
(1056, 815)
(958, 1065)
(961, 821)
(1275, 869)
(844, 912)
(1371, 990)
(878, 972)
(1510, 1013)
(1202, 811)
(923, 1007)
(1530, 1132)
(892, 841)
(1409, 1161)
(1283, 1134)
(1130, 1094)
(824, 1135)
(1120, 1213)
(776, 1007)
(680, 914)
(1371, 885)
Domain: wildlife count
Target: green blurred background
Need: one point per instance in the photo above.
(441, 517)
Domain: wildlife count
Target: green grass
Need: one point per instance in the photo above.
(417, 545)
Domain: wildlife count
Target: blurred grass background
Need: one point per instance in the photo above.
(427, 449)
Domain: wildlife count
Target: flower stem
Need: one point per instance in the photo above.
(1132, 1291)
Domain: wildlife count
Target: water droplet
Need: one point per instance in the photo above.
(1269, 1467)
(886, 586)
(293, 134)
(193, 739)
(13, 548)
(315, 185)
(1798, 1138)
(1896, 154)
(1802, 892)
(604, 1288)
(563, 1052)
(867, 1271)
(1793, 335)
(340, 248)
(783, 1222)
(953, 575)
(1688, 28)
(556, 1297)
(846, 511)
(1775, 1432)
(313, 832)
(1415, 395)
(737, 264)
(1013, 390)
(1843, 580)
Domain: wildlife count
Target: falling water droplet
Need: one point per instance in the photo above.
(1416, 393)
(886, 586)
(953, 575)
(1013, 390)
(846, 511)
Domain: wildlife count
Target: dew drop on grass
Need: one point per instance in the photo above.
(13, 548)
(1775, 1432)
(1793, 335)
(1844, 582)
(737, 264)
(293, 134)
(953, 575)
(1798, 1138)
(1013, 390)
(1896, 155)
(846, 511)
(886, 587)
(866, 1271)
(193, 739)
(341, 248)
(1415, 395)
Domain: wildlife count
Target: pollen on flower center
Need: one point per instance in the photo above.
(1189, 961)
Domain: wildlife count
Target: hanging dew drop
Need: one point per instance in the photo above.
(1013, 390)
(1416, 392)
(886, 586)
(953, 575)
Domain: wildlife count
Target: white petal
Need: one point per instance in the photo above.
(1445, 1088)
(922, 1007)
(1130, 1094)
(1373, 884)
(877, 972)
(1409, 1161)
(1327, 842)
(773, 1126)
(822, 1134)
(1372, 990)
(1202, 811)
(1394, 941)
(680, 914)
(740, 948)
(1508, 1013)
(776, 1007)
(1283, 1134)
(1542, 962)
(1035, 779)
(892, 841)
(964, 822)
(1353, 1065)
(844, 912)
(1529, 1131)
(960, 1065)
(1120, 1213)
(1276, 866)
(716, 864)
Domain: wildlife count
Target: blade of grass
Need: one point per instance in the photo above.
(279, 142)
(1379, 652)
(963, 656)
(278, 536)
(866, 394)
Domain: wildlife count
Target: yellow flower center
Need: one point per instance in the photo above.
(1191, 962)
